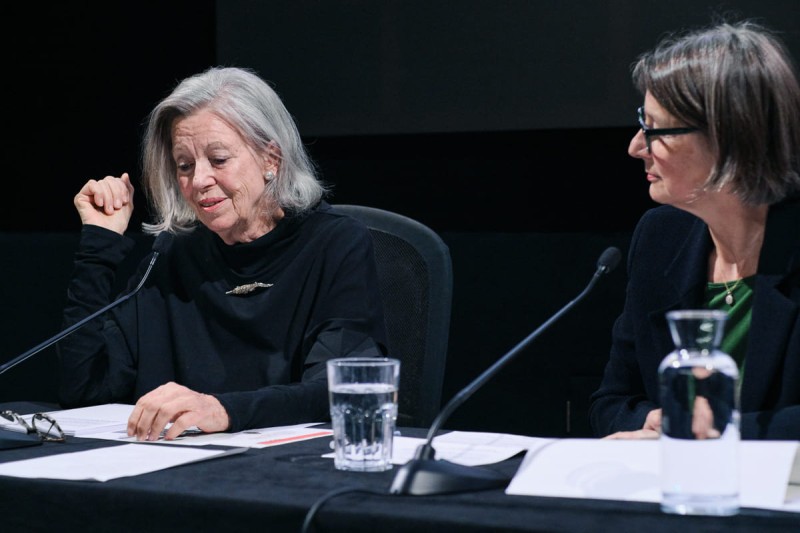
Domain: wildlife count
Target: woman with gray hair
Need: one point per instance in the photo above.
(720, 141)
(257, 283)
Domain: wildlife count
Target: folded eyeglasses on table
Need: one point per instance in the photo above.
(41, 424)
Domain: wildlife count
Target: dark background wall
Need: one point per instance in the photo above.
(507, 115)
(502, 124)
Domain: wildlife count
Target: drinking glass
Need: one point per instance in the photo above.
(363, 404)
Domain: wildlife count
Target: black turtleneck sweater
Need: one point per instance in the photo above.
(262, 354)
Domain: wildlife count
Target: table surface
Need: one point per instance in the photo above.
(274, 488)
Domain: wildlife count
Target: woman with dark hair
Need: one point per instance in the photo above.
(720, 141)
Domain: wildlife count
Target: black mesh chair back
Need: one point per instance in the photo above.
(416, 278)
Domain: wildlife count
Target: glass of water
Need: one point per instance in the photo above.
(363, 403)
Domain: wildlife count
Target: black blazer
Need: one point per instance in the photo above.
(667, 269)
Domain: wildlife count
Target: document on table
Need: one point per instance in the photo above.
(84, 421)
(465, 447)
(629, 470)
(112, 462)
(251, 438)
(110, 422)
(130, 458)
(262, 438)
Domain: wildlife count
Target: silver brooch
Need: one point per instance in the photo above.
(248, 288)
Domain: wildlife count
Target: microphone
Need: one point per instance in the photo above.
(158, 246)
(426, 475)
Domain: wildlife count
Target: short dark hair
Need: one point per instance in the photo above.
(736, 82)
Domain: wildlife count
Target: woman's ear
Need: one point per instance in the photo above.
(272, 159)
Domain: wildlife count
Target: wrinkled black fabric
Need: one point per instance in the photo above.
(667, 270)
(261, 354)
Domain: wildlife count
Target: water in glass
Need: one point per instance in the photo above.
(363, 417)
(700, 418)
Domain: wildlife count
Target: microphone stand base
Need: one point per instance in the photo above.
(430, 476)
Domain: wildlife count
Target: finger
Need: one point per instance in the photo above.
(179, 425)
(158, 426)
(133, 420)
(107, 195)
(202, 411)
(122, 190)
(169, 413)
(185, 411)
(144, 424)
(98, 194)
(118, 191)
(126, 179)
(158, 409)
(87, 193)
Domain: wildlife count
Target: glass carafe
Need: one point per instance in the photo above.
(700, 418)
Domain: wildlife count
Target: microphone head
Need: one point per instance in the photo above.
(609, 260)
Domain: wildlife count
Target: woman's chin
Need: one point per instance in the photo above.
(657, 194)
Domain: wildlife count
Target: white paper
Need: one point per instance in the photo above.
(84, 421)
(473, 448)
(492, 439)
(465, 448)
(110, 422)
(262, 438)
(251, 438)
(403, 450)
(629, 470)
(112, 462)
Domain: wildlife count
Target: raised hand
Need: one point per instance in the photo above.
(107, 203)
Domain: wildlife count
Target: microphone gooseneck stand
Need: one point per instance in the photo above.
(77, 325)
(8, 439)
(426, 475)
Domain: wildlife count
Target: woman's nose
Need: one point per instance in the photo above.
(638, 146)
(203, 175)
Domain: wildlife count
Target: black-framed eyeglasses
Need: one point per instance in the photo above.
(41, 424)
(649, 132)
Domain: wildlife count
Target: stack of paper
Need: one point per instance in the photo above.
(112, 462)
(83, 421)
(630, 470)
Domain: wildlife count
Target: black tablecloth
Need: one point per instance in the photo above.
(272, 489)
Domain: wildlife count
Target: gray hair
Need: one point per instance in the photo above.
(251, 106)
(737, 84)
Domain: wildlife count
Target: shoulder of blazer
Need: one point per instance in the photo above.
(780, 252)
(666, 229)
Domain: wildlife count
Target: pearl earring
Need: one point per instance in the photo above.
(269, 176)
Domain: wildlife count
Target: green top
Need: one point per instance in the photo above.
(734, 342)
